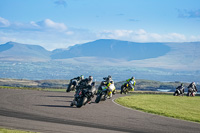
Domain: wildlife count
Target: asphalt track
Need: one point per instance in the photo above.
(50, 112)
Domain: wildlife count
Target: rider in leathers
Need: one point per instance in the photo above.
(181, 88)
(110, 86)
(74, 83)
(78, 79)
(192, 87)
(84, 84)
(131, 83)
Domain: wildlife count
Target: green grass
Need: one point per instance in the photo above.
(23, 88)
(32, 88)
(186, 108)
(3, 130)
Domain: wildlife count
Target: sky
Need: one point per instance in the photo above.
(62, 23)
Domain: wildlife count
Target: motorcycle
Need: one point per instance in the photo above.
(178, 93)
(191, 92)
(72, 85)
(84, 96)
(126, 87)
(101, 94)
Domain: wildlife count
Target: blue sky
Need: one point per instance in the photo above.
(63, 23)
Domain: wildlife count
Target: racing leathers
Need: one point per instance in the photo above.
(192, 87)
(181, 89)
(84, 84)
(132, 83)
(111, 87)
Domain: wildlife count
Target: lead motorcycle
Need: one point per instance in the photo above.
(178, 92)
(84, 96)
(126, 87)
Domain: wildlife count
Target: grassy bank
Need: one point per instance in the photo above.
(32, 88)
(3, 130)
(22, 88)
(186, 108)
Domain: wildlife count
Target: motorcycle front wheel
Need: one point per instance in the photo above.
(98, 98)
(79, 102)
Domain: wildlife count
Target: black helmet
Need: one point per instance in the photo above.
(109, 76)
(109, 79)
(132, 78)
(90, 78)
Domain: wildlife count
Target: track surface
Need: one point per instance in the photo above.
(50, 112)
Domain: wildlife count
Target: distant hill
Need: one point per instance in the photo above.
(103, 48)
(108, 48)
(174, 56)
(23, 52)
(141, 85)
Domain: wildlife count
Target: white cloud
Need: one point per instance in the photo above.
(46, 24)
(4, 22)
(49, 24)
(141, 36)
(52, 35)
(195, 38)
(175, 37)
(5, 39)
(47, 33)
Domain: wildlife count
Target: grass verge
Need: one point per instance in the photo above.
(22, 88)
(32, 88)
(3, 130)
(186, 108)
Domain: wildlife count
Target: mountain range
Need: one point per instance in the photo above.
(13, 51)
(107, 48)
(179, 56)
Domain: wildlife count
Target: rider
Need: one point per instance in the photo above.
(75, 81)
(181, 88)
(131, 82)
(84, 84)
(79, 78)
(110, 86)
(192, 87)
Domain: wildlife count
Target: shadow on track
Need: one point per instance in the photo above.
(62, 101)
(61, 96)
(55, 106)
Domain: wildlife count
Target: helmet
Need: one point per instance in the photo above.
(109, 79)
(90, 78)
(82, 77)
(109, 76)
(132, 78)
(193, 83)
(182, 84)
(104, 78)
